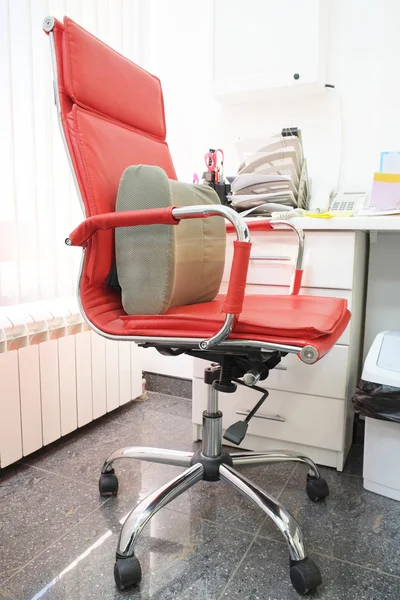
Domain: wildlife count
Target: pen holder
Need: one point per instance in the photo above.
(222, 189)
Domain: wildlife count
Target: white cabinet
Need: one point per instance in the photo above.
(271, 260)
(265, 44)
(313, 402)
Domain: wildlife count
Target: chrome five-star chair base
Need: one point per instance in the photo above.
(212, 464)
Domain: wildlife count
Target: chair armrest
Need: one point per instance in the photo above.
(171, 216)
(129, 218)
(270, 225)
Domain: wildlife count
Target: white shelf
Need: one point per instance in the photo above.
(263, 46)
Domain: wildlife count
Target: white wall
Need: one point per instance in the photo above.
(178, 49)
(176, 366)
(362, 64)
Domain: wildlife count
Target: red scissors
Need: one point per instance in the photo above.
(211, 160)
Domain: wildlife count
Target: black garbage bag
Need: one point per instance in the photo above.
(377, 401)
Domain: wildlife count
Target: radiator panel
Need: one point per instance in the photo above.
(10, 409)
(57, 376)
(50, 391)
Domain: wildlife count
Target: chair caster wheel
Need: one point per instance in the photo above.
(317, 489)
(108, 484)
(304, 575)
(127, 572)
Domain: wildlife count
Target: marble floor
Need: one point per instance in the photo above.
(58, 537)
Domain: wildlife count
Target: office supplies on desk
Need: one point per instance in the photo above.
(214, 176)
(286, 215)
(385, 193)
(330, 214)
(286, 167)
(376, 212)
(280, 141)
(262, 209)
(275, 172)
(281, 196)
(277, 158)
(348, 201)
(211, 160)
(299, 212)
(257, 183)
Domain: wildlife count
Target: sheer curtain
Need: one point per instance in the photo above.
(38, 203)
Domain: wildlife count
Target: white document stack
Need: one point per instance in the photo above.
(273, 178)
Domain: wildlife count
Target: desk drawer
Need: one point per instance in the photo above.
(303, 419)
(328, 259)
(326, 378)
(267, 290)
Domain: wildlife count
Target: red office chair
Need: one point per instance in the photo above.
(111, 116)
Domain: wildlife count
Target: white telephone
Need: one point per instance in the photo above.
(348, 201)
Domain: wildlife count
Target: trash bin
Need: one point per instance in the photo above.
(378, 398)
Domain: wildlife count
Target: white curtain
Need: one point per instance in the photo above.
(38, 203)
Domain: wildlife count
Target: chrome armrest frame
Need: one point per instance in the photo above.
(48, 25)
(242, 234)
(278, 223)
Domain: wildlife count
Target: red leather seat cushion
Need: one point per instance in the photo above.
(293, 320)
(263, 317)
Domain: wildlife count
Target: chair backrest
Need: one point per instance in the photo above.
(112, 115)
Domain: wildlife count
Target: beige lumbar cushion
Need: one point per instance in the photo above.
(162, 266)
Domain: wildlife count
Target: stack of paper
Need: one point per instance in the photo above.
(385, 192)
(272, 178)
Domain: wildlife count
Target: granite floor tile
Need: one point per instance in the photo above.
(351, 524)
(155, 401)
(5, 596)
(181, 557)
(61, 536)
(178, 406)
(36, 508)
(81, 456)
(264, 575)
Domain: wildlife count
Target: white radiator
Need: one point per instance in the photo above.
(56, 375)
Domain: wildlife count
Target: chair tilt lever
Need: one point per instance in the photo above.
(260, 370)
(237, 432)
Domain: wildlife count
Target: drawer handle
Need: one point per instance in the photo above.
(267, 417)
(260, 257)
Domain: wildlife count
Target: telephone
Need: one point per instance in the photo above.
(348, 201)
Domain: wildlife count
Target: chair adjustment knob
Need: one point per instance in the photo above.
(252, 377)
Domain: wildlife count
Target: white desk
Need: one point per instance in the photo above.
(382, 310)
(343, 260)
(349, 224)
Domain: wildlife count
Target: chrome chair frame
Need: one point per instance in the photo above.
(195, 471)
